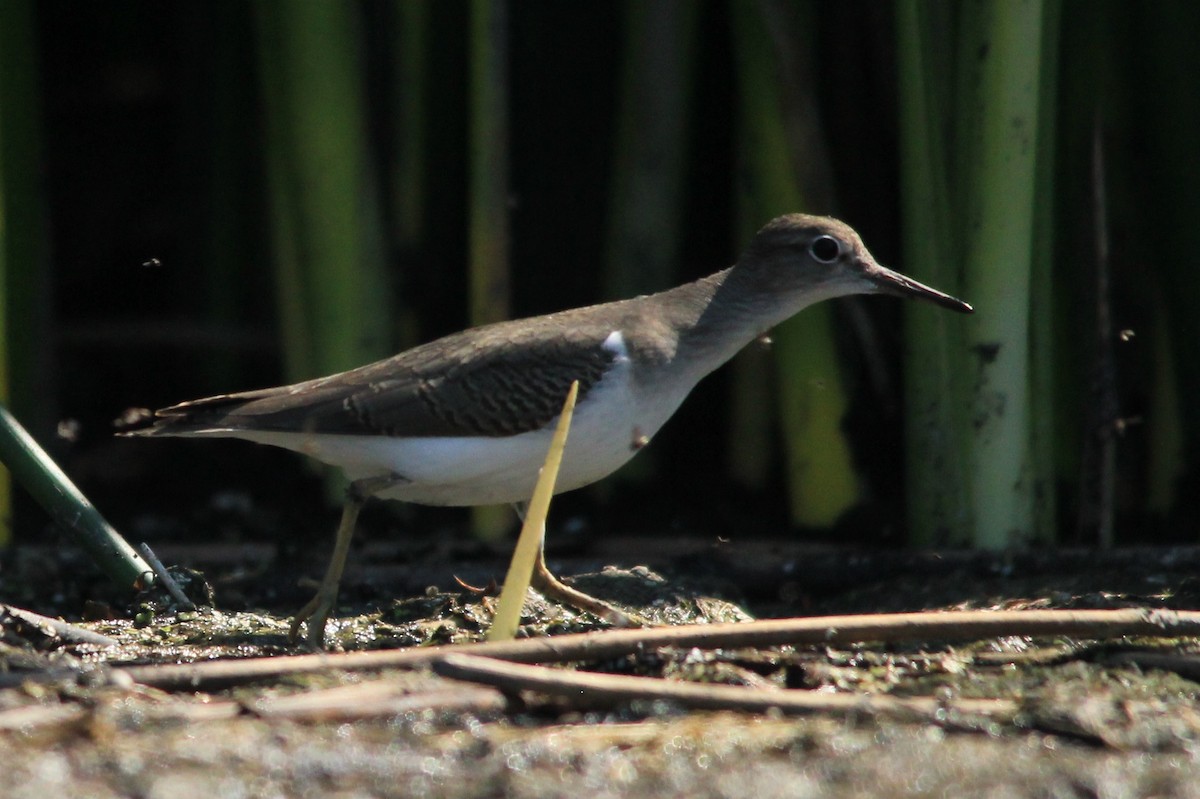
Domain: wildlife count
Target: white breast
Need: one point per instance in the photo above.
(609, 426)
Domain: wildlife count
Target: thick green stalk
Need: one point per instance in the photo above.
(1168, 121)
(488, 192)
(1165, 419)
(26, 357)
(646, 205)
(408, 179)
(999, 247)
(821, 480)
(6, 517)
(299, 353)
(752, 436)
(939, 509)
(489, 158)
(40, 476)
(323, 192)
(326, 221)
(408, 175)
(644, 216)
(976, 167)
(217, 123)
(6, 504)
(1045, 402)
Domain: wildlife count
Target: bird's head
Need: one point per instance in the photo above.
(818, 257)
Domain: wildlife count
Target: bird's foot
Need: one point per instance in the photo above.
(553, 588)
(315, 614)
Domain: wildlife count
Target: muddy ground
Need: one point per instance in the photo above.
(1094, 717)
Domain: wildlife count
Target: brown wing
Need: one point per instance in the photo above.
(498, 382)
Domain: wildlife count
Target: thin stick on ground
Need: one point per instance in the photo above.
(64, 630)
(826, 630)
(33, 717)
(165, 578)
(379, 698)
(605, 690)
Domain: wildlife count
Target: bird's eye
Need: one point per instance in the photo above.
(825, 249)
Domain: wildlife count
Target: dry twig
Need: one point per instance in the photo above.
(591, 690)
(826, 630)
(378, 698)
(67, 632)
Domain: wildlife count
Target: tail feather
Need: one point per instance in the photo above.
(196, 417)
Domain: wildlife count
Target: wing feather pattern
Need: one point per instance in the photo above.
(500, 381)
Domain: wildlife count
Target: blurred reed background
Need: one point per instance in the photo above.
(198, 197)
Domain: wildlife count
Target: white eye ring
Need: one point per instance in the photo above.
(825, 249)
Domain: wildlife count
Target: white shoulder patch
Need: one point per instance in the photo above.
(615, 343)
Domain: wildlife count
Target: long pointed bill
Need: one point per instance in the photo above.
(888, 282)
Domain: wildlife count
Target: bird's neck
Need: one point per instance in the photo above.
(718, 315)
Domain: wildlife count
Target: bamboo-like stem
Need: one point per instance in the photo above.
(1046, 401)
(998, 257)
(488, 193)
(751, 437)
(1098, 481)
(299, 358)
(489, 158)
(408, 175)
(937, 435)
(216, 126)
(1165, 422)
(26, 343)
(645, 208)
(6, 507)
(975, 463)
(332, 289)
(644, 214)
(821, 480)
(6, 497)
(1166, 115)
(40, 476)
(323, 192)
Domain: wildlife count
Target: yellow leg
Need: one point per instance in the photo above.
(317, 611)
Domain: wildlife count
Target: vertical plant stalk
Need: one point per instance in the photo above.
(489, 187)
(408, 176)
(6, 503)
(1047, 401)
(1165, 419)
(999, 247)
(1169, 120)
(219, 122)
(646, 207)
(26, 345)
(1098, 481)
(6, 507)
(752, 435)
(334, 300)
(937, 427)
(821, 480)
(488, 192)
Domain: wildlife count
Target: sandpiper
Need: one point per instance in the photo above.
(466, 419)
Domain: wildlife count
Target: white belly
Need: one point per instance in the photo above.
(608, 428)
